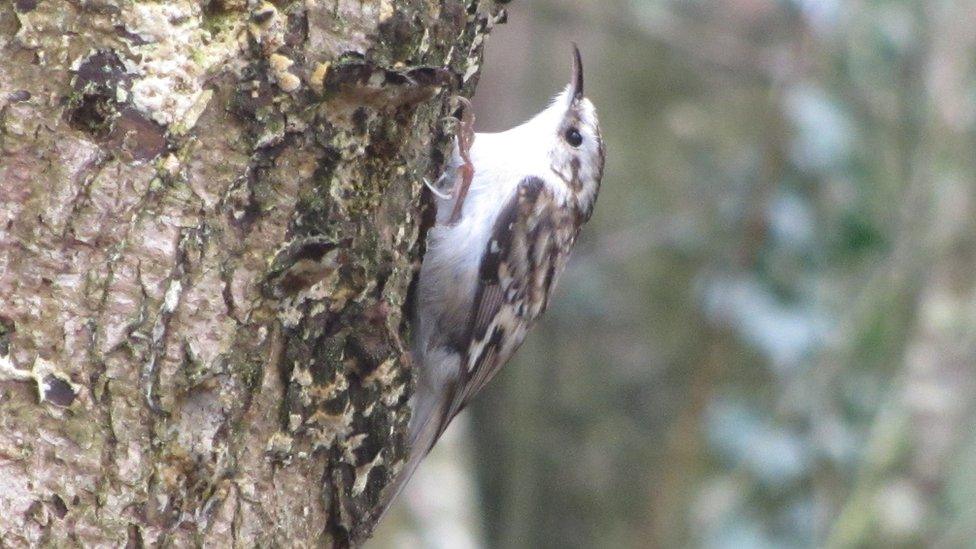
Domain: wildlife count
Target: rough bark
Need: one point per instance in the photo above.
(210, 217)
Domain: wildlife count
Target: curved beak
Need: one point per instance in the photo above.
(577, 81)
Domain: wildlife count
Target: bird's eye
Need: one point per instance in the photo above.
(573, 137)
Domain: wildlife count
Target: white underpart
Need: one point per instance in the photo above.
(448, 280)
(450, 269)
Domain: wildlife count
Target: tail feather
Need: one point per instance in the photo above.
(425, 428)
(430, 412)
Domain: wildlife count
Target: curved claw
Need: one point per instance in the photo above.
(437, 192)
(465, 139)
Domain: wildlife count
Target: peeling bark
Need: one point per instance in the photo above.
(209, 221)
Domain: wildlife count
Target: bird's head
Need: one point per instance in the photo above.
(577, 153)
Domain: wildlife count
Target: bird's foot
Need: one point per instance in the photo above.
(465, 139)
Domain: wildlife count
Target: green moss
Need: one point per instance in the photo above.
(218, 23)
(248, 369)
(198, 57)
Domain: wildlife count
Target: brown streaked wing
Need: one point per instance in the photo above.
(523, 251)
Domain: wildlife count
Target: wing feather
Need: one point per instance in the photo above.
(526, 252)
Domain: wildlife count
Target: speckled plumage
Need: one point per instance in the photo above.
(490, 272)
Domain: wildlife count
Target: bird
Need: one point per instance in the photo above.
(501, 239)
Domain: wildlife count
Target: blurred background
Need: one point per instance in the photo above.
(766, 336)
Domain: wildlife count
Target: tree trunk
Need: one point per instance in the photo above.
(209, 221)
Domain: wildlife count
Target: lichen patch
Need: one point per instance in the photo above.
(53, 386)
(169, 64)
